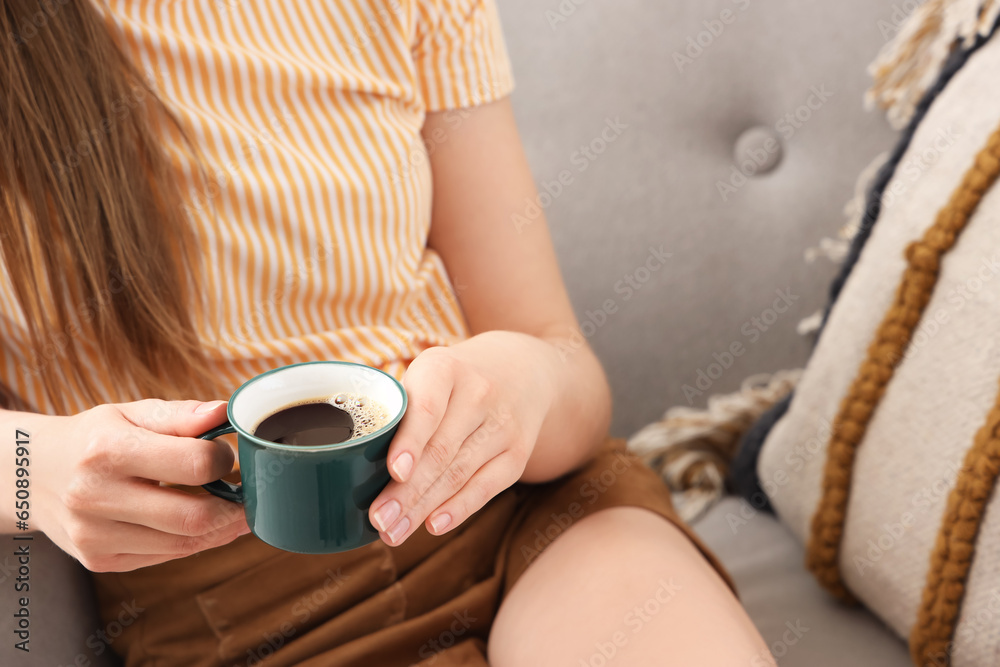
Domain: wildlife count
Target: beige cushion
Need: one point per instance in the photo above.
(941, 391)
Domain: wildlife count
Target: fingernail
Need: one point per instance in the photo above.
(208, 407)
(385, 515)
(440, 522)
(399, 530)
(402, 466)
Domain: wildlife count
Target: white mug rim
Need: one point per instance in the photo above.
(347, 444)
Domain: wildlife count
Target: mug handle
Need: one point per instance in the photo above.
(221, 487)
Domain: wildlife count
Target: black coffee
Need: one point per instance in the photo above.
(307, 425)
(323, 421)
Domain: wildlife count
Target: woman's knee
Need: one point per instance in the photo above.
(633, 540)
(625, 581)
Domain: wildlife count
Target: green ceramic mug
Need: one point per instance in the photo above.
(309, 499)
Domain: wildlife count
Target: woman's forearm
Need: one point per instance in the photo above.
(509, 275)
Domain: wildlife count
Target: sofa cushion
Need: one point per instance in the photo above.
(64, 628)
(801, 623)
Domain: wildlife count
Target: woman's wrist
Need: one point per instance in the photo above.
(580, 416)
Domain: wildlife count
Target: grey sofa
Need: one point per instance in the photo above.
(702, 87)
(651, 109)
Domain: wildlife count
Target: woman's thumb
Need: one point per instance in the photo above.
(180, 418)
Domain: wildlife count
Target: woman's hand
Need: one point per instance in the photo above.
(95, 482)
(475, 411)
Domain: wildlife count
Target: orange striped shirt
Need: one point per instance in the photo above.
(307, 115)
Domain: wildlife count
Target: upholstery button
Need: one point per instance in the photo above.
(757, 151)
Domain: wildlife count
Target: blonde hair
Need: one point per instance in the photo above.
(95, 238)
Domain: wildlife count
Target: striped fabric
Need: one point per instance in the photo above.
(308, 117)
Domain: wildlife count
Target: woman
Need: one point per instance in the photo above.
(197, 192)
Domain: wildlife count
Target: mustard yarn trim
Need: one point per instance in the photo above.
(884, 354)
(951, 559)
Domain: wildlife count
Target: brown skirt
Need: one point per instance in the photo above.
(433, 599)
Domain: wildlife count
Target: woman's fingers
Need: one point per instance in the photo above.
(454, 425)
(124, 450)
(178, 418)
(429, 383)
(101, 543)
(107, 507)
(447, 404)
(168, 510)
(153, 439)
(129, 562)
(498, 473)
(462, 417)
(406, 506)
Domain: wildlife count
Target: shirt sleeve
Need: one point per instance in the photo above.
(459, 53)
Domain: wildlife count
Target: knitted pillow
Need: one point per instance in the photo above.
(885, 462)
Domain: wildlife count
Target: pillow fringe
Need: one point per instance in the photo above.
(908, 65)
(692, 449)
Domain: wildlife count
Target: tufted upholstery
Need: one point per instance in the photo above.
(662, 133)
(656, 184)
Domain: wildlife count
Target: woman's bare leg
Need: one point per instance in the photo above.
(622, 588)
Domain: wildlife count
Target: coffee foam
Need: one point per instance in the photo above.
(368, 415)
